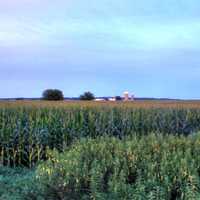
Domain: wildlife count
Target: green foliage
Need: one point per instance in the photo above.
(27, 132)
(87, 96)
(151, 167)
(18, 184)
(52, 95)
(99, 151)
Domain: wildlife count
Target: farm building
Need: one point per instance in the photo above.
(128, 97)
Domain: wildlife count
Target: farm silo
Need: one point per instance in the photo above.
(126, 96)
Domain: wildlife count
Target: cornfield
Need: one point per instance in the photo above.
(29, 129)
(151, 167)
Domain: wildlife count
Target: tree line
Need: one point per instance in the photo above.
(57, 95)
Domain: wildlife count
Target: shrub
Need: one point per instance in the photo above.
(52, 95)
(152, 167)
(87, 96)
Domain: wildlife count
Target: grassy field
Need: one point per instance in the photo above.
(100, 150)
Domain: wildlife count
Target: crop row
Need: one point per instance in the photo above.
(27, 132)
(150, 167)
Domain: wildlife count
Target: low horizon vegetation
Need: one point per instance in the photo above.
(57, 95)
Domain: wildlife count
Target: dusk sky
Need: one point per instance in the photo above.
(149, 47)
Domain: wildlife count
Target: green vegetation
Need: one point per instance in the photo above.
(99, 151)
(27, 132)
(53, 95)
(151, 167)
(18, 184)
(148, 167)
(87, 96)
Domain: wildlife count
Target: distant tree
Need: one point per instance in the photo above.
(53, 95)
(19, 99)
(118, 98)
(87, 96)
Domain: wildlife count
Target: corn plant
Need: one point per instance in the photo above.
(28, 129)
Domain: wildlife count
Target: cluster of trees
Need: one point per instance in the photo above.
(87, 96)
(57, 95)
(53, 95)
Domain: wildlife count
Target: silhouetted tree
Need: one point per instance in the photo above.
(118, 98)
(87, 96)
(53, 95)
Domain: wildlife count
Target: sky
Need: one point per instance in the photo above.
(149, 48)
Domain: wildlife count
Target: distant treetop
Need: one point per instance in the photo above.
(87, 96)
(118, 98)
(53, 95)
